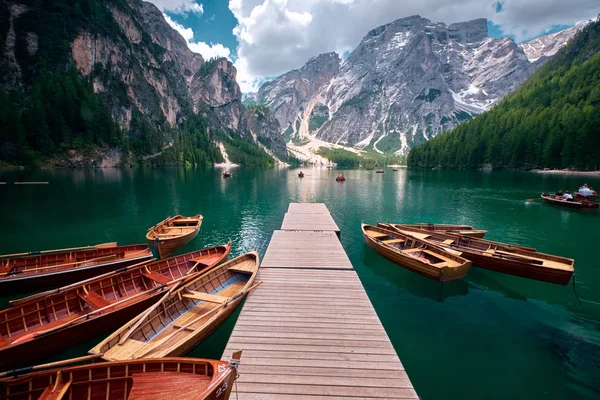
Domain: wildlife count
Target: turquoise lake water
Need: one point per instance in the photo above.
(489, 336)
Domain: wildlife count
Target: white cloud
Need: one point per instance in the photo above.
(276, 36)
(208, 51)
(178, 6)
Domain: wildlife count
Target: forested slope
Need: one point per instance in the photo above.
(552, 120)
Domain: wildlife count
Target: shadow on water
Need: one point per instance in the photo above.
(415, 284)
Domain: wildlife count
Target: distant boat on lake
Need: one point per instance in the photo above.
(580, 204)
(226, 174)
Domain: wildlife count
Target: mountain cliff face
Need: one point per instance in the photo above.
(406, 82)
(140, 67)
(546, 46)
(290, 93)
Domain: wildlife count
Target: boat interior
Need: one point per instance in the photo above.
(497, 250)
(166, 379)
(410, 247)
(24, 321)
(185, 311)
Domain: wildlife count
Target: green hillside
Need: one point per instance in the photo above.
(552, 120)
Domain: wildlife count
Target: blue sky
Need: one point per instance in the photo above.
(265, 38)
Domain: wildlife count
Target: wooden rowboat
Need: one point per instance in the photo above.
(43, 324)
(581, 204)
(186, 316)
(416, 255)
(464, 230)
(173, 233)
(510, 259)
(55, 268)
(148, 379)
(379, 171)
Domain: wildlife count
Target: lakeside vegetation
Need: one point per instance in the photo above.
(551, 121)
(346, 158)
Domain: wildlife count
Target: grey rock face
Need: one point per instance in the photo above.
(418, 78)
(546, 46)
(411, 78)
(290, 92)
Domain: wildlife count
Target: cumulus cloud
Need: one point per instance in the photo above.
(178, 6)
(276, 36)
(208, 51)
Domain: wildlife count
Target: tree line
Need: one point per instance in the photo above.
(551, 121)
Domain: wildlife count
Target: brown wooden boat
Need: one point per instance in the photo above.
(379, 171)
(26, 274)
(40, 325)
(186, 316)
(226, 174)
(580, 204)
(510, 259)
(173, 233)
(416, 255)
(147, 379)
(464, 230)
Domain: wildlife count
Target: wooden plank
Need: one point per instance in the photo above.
(309, 222)
(307, 208)
(326, 390)
(310, 331)
(326, 380)
(317, 250)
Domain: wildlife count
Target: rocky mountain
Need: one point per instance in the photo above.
(406, 82)
(550, 121)
(141, 68)
(546, 46)
(290, 93)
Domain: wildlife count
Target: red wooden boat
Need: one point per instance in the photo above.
(580, 204)
(40, 325)
(145, 379)
(55, 268)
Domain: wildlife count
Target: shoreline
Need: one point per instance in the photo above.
(566, 172)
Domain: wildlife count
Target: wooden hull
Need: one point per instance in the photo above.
(160, 379)
(55, 322)
(17, 284)
(444, 274)
(420, 268)
(523, 270)
(580, 205)
(166, 246)
(183, 319)
(42, 347)
(495, 256)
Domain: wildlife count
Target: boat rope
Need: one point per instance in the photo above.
(575, 291)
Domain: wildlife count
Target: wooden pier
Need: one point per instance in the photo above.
(309, 331)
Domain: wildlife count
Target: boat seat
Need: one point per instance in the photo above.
(489, 252)
(207, 261)
(163, 280)
(412, 250)
(168, 385)
(448, 241)
(56, 391)
(392, 241)
(211, 298)
(94, 299)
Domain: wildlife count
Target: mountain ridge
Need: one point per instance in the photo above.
(406, 82)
